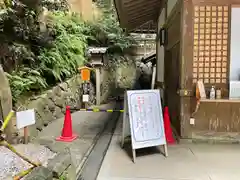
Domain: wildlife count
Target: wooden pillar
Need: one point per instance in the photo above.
(154, 76)
(145, 47)
(186, 66)
(1, 113)
(98, 86)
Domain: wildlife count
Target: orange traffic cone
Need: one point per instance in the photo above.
(167, 127)
(67, 134)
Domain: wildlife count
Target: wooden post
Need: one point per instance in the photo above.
(154, 76)
(1, 114)
(124, 120)
(145, 47)
(85, 76)
(98, 86)
(26, 135)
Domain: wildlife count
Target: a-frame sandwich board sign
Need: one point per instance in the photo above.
(143, 120)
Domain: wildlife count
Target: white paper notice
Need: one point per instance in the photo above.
(146, 119)
(25, 118)
(85, 98)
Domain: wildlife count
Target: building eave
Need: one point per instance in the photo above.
(138, 15)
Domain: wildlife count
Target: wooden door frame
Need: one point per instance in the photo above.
(186, 86)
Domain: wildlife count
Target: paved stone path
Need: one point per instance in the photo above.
(185, 162)
(93, 163)
(87, 125)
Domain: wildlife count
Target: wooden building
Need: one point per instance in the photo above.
(202, 45)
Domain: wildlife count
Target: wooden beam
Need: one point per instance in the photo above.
(132, 13)
(146, 14)
(141, 12)
(149, 27)
(137, 24)
(150, 6)
(130, 2)
(162, 5)
(143, 18)
(214, 2)
(121, 15)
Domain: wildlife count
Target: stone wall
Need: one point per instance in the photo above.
(51, 104)
(118, 76)
(108, 76)
(127, 75)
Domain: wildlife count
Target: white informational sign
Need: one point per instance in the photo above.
(143, 113)
(85, 98)
(25, 118)
(234, 90)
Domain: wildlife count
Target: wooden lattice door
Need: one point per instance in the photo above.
(210, 56)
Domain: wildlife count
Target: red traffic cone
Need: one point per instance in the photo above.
(67, 134)
(167, 127)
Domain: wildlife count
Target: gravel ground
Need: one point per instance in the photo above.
(11, 164)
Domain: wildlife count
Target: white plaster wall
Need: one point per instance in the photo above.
(235, 45)
(170, 6)
(160, 50)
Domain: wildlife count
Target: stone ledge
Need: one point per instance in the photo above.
(40, 173)
(60, 163)
(60, 166)
(214, 138)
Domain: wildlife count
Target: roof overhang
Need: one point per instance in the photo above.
(138, 14)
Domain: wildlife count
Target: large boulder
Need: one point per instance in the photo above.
(126, 74)
(6, 103)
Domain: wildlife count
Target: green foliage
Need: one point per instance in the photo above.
(63, 177)
(67, 55)
(24, 80)
(35, 59)
(55, 5)
(106, 31)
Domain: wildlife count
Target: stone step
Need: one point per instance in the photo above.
(214, 138)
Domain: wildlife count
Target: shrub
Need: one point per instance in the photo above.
(67, 53)
(35, 59)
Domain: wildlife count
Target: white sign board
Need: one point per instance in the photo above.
(143, 113)
(201, 88)
(85, 98)
(234, 90)
(25, 118)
